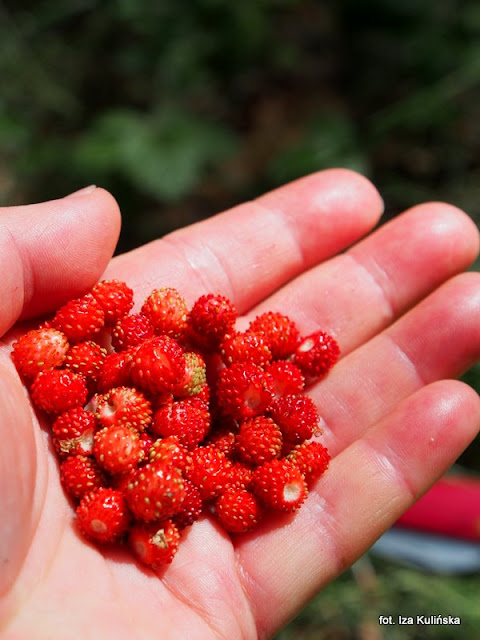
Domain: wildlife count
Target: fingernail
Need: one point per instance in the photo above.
(83, 192)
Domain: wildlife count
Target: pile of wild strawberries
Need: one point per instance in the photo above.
(161, 415)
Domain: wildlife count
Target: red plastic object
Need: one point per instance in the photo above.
(451, 508)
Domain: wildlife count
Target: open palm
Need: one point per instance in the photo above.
(393, 415)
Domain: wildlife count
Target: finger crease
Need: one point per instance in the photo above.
(379, 283)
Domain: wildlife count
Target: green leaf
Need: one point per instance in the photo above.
(329, 140)
(164, 154)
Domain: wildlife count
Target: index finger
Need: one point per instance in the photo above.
(249, 251)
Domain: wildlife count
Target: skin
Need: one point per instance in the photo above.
(394, 416)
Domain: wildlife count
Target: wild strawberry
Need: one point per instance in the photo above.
(130, 331)
(192, 506)
(238, 510)
(86, 358)
(316, 354)
(146, 441)
(169, 451)
(241, 476)
(114, 297)
(125, 406)
(161, 400)
(154, 544)
(214, 364)
(73, 432)
(209, 470)
(80, 475)
(223, 438)
(280, 333)
(155, 491)
(242, 391)
(258, 440)
(211, 318)
(296, 415)
(280, 485)
(167, 311)
(312, 458)
(80, 319)
(195, 378)
(246, 346)
(103, 515)
(203, 394)
(117, 449)
(115, 371)
(161, 415)
(158, 365)
(188, 419)
(38, 350)
(57, 390)
(284, 378)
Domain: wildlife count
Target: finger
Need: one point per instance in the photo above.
(367, 487)
(437, 339)
(18, 476)
(54, 251)
(49, 252)
(361, 291)
(251, 250)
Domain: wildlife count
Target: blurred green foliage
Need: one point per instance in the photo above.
(349, 608)
(183, 109)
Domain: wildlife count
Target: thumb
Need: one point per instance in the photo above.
(53, 251)
(49, 252)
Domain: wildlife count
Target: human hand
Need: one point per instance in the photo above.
(394, 418)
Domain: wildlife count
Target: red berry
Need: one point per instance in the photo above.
(73, 432)
(154, 544)
(246, 346)
(241, 476)
(80, 475)
(167, 311)
(209, 470)
(238, 510)
(195, 378)
(114, 297)
(211, 318)
(223, 438)
(117, 449)
(192, 506)
(284, 378)
(280, 333)
(296, 415)
(130, 331)
(103, 515)
(80, 319)
(178, 414)
(115, 371)
(146, 441)
(125, 406)
(311, 458)
(258, 440)
(280, 485)
(169, 451)
(204, 393)
(38, 350)
(57, 390)
(242, 391)
(316, 354)
(188, 419)
(158, 365)
(86, 358)
(155, 491)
